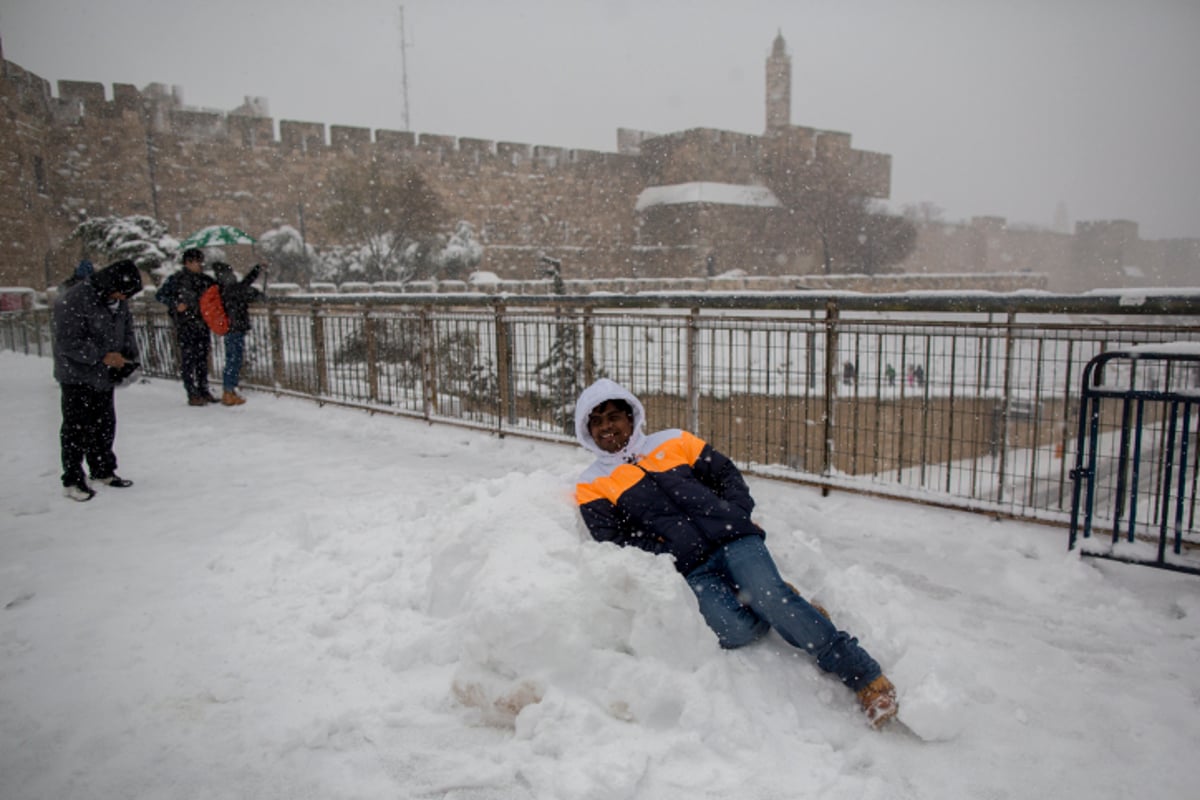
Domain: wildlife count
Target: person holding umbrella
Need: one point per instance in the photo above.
(190, 328)
(195, 343)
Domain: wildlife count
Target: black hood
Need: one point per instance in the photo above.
(120, 276)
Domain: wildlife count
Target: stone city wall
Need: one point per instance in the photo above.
(83, 154)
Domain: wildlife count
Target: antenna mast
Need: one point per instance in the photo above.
(404, 69)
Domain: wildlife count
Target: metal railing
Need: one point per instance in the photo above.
(966, 401)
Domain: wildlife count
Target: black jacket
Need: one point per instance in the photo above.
(86, 329)
(237, 296)
(682, 498)
(191, 286)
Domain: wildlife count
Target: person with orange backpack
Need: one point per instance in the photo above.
(236, 297)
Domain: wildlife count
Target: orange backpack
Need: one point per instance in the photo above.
(213, 310)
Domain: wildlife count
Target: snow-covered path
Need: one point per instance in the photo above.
(296, 601)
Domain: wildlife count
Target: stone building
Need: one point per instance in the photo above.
(685, 204)
(1101, 254)
(680, 204)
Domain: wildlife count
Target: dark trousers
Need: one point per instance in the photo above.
(194, 346)
(89, 425)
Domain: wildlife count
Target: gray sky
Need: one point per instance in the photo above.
(987, 107)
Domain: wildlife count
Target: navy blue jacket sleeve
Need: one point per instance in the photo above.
(607, 523)
(716, 471)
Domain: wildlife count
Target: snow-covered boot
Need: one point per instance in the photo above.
(79, 491)
(878, 700)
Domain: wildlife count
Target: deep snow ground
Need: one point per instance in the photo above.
(296, 601)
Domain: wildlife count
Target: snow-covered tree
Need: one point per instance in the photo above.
(291, 260)
(450, 256)
(391, 214)
(459, 254)
(143, 240)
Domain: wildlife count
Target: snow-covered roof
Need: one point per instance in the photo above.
(730, 194)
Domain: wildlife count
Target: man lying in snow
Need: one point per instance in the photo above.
(671, 493)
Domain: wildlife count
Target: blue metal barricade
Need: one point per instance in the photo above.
(1137, 457)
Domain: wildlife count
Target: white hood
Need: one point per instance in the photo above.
(597, 394)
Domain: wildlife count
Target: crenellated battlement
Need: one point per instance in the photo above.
(79, 102)
(701, 153)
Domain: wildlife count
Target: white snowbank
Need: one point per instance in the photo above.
(296, 601)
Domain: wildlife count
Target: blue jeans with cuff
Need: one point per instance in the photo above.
(235, 351)
(742, 596)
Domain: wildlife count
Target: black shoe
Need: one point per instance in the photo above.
(208, 397)
(114, 480)
(80, 492)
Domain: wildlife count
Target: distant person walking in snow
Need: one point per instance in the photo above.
(236, 296)
(94, 350)
(670, 493)
(849, 373)
(195, 343)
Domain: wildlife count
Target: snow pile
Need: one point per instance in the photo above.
(296, 601)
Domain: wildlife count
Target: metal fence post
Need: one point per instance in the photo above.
(275, 345)
(589, 346)
(318, 342)
(693, 383)
(428, 363)
(372, 354)
(1005, 403)
(37, 327)
(831, 358)
(504, 370)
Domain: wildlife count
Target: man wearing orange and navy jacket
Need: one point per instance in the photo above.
(670, 493)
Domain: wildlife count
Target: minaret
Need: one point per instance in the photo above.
(779, 86)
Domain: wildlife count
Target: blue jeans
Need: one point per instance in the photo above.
(235, 351)
(742, 596)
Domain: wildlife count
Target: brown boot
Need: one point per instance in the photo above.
(232, 399)
(878, 700)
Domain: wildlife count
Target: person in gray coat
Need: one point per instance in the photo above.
(94, 350)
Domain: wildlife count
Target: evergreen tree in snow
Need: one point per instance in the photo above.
(291, 260)
(141, 239)
(460, 253)
(561, 373)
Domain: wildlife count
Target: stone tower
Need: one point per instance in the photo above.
(779, 86)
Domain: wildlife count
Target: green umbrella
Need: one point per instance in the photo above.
(215, 236)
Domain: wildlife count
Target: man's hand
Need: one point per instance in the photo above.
(182, 307)
(114, 360)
